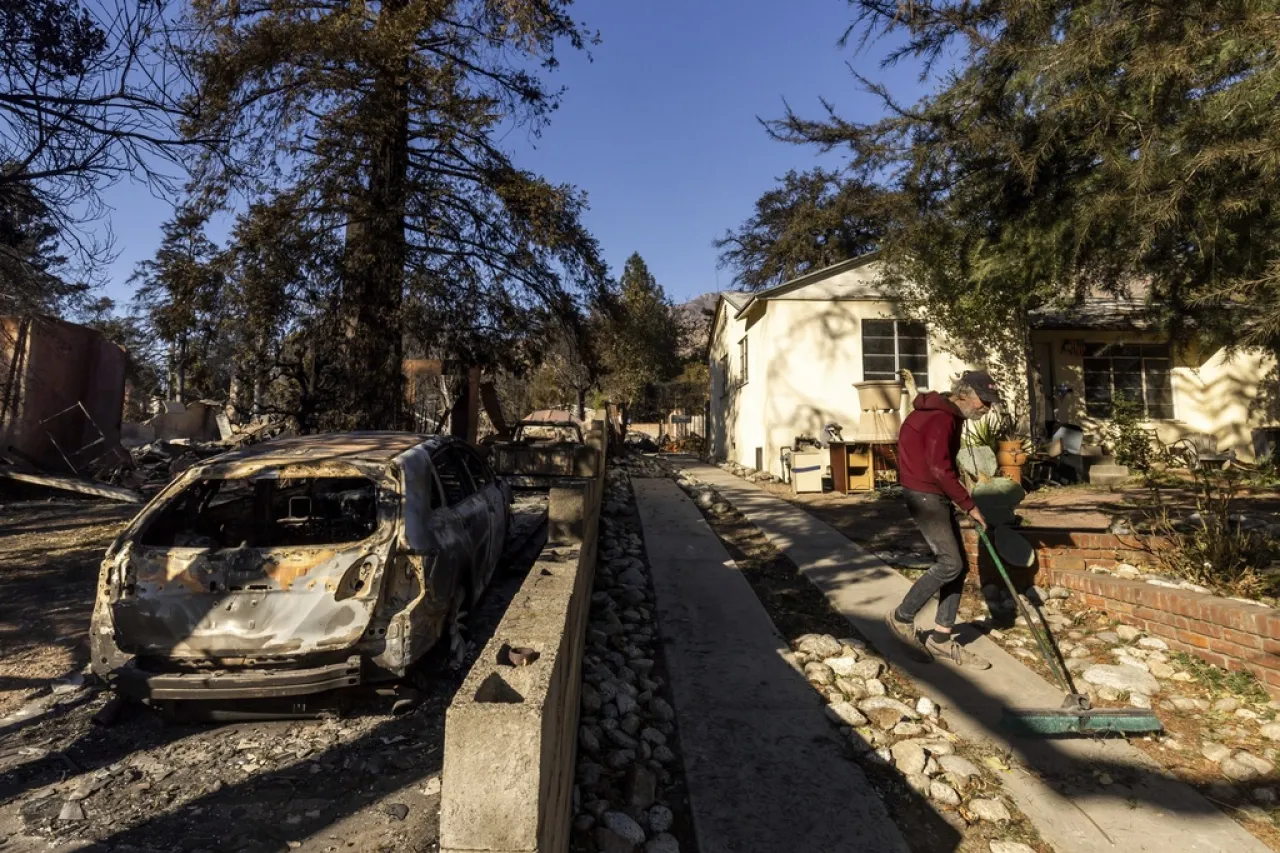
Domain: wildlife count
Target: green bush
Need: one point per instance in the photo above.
(1128, 438)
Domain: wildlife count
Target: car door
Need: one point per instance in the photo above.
(492, 492)
(461, 495)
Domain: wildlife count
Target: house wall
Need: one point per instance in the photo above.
(1213, 392)
(805, 354)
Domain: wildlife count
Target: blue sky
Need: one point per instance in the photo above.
(659, 128)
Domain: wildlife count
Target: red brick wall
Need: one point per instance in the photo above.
(1228, 634)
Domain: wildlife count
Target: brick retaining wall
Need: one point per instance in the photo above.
(1229, 634)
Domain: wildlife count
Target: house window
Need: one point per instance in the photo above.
(724, 376)
(742, 354)
(892, 345)
(1137, 372)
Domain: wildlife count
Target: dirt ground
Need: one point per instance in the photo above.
(364, 780)
(49, 554)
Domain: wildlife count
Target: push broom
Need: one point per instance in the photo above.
(1076, 714)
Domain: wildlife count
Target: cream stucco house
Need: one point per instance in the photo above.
(784, 362)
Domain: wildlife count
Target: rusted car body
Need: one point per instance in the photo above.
(298, 566)
(546, 449)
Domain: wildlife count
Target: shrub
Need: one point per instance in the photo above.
(1129, 440)
(1214, 548)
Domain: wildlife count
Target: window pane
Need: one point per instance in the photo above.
(1126, 365)
(912, 329)
(879, 363)
(878, 346)
(1128, 385)
(1162, 411)
(918, 365)
(877, 328)
(1098, 409)
(1156, 351)
(913, 346)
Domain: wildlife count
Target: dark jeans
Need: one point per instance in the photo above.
(945, 578)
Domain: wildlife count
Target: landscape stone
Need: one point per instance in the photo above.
(660, 819)
(909, 757)
(1010, 847)
(1126, 678)
(663, 844)
(993, 811)
(1270, 731)
(1153, 643)
(819, 673)
(1127, 633)
(1243, 766)
(819, 645)
(885, 711)
(842, 666)
(944, 794)
(846, 714)
(622, 826)
(854, 688)
(1226, 705)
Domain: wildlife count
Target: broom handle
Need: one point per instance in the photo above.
(1042, 641)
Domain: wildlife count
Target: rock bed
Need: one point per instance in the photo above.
(899, 737)
(629, 790)
(1222, 730)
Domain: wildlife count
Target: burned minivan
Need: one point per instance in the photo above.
(299, 566)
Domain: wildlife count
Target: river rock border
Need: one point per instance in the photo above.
(629, 786)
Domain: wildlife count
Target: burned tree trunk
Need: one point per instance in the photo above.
(373, 286)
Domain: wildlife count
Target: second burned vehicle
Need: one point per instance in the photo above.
(546, 449)
(299, 566)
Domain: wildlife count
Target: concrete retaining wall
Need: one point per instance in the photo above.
(511, 730)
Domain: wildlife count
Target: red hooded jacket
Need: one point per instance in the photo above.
(927, 448)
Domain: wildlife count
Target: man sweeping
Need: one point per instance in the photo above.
(927, 448)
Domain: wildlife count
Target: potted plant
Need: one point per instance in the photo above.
(1011, 448)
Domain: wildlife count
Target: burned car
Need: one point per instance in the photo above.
(546, 449)
(299, 566)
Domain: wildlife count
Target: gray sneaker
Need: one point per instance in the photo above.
(907, 635)
(956, 654)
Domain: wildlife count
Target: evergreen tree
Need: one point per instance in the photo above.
(32, 266)
(1080, 146)
(181, 291)
(640, 339)
(381, 120)
(809, 221)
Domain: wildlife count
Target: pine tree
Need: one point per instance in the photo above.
(809, 221)
(641, 338)
(180, 291)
